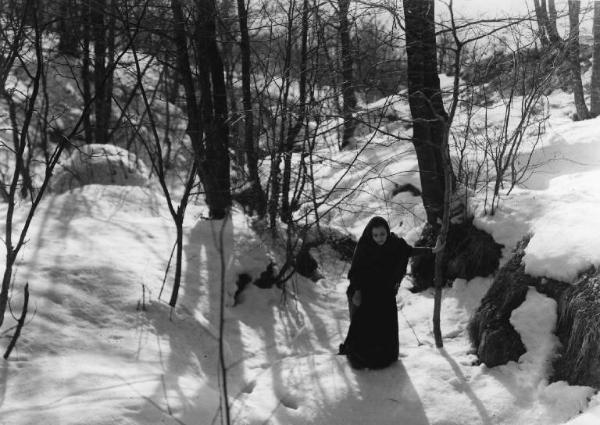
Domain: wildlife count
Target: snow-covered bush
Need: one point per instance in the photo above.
(100, 164)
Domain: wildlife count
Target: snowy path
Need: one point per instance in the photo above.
(90, 357)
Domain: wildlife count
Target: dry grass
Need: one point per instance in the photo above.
(579, 331)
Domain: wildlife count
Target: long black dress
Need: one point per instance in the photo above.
(372, 339)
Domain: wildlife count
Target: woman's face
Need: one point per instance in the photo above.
(379, 235)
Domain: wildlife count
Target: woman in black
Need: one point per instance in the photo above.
(378, 266)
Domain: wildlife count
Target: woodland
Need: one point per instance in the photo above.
(304, 118)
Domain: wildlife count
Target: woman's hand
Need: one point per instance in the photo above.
(438, 246)
(356, 298)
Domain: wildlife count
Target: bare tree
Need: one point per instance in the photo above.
(575, 65)
(157, 158)
(349, 98)
(207, 116)
(425, 100)
(547, 17)
(259, 199)
(14, 42)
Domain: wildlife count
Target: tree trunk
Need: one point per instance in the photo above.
(107, 88)
(85, 71)
(213, 103)
(573, 54)
(98, 11)
(595, 83)
(541, 17)
(251, 154)
(178, 261)
(348, 95)
(68, 28)
(207, 118)
(550, 21)
(425, 102)
(286, 208)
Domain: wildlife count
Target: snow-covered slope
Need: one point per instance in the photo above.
(100, 347)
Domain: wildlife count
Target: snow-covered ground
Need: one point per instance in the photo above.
(100, 346)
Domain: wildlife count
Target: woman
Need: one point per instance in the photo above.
(378, 266)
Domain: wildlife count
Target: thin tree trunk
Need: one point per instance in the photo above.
(20, 324)
(107, 88)
(214, 112)
(552, 16)
(541, 17)
(348, 95)
(68, 28)
(99, 37)
(251, 154)
(573, 52)
(85, 72)
(550, 21)
(595, 83)
(178, 261)
(273, 204)
(286, 209)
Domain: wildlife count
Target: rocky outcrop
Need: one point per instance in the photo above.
(470, 252)
(494, 339)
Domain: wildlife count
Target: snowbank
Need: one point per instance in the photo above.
(100, 164)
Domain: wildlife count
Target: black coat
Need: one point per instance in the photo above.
(377, 269)
(372, 339)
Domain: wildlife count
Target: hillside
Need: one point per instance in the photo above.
(100, 347)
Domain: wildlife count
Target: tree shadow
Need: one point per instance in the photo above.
(324, 389)
(481, 410)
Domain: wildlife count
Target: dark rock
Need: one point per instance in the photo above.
(494, 339)
(499, 345)
(243, 280)
(267, 278)
(306, 265)
(342, 243)
(470, 252)
(407, 187)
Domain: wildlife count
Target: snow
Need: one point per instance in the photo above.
(101, 347)
(100, 164)
(535, 321)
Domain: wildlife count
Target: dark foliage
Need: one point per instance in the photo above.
(406, 187)
(342, 243)
(470, 252)
(498, 67)
(306, 265)
(268, 278)
(493, 337)
(243, 280)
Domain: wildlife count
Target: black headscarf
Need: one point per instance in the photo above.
(367, 235)
(372, 262)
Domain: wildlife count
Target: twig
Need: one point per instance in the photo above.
(167, 271)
